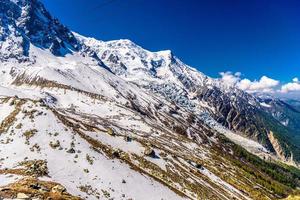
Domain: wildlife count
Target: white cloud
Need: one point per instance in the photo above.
(264, 84)
(295, 79)
(238, 74)
(244, 84)
(229, 78)
(291, 87)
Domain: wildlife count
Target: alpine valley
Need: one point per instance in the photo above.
(82, 118)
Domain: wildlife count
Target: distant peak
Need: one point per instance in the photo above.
(167, 53)
(126, 41)
(123, 43)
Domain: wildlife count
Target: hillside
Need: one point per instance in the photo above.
(82, 118)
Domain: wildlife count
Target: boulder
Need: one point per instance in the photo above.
(128, 138)
(111, 132)
(22, 196)
(199, 166)
(117, 153)
(36, 167)
(149, 152)
(58, 189)
(71, 150)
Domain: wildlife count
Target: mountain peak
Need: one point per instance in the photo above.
(27, 22)
(167, 54)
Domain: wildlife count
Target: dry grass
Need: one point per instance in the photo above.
(292, 197)
(35, 188)
(10, 119)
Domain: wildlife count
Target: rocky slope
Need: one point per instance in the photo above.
(163, 74)
(86, 119)
(284, 111)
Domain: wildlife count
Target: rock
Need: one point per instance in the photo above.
(36, 167)
(4, 189)
(149, 152)
(128, 139)
(199, 166)
(12, 103)
(71, 150)
(111, 132)
(58, 189)
(22, 196)
(39, 187)
(35, 186)
(116, 153)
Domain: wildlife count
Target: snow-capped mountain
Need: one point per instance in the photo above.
(82, 118)
(25, 23)
(164, 74)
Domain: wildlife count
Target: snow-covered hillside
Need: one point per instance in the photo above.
(87, 119)
(161, 73)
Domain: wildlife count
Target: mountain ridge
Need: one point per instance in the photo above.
(105, 120)
(188, 82)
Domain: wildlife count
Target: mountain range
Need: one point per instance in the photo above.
(82, 118)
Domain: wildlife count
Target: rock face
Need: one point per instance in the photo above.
(233, 110)
(276, 146)
(284, 111)
(25, 22)
(164, 74)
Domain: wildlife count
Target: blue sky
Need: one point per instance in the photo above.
(255, 37)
